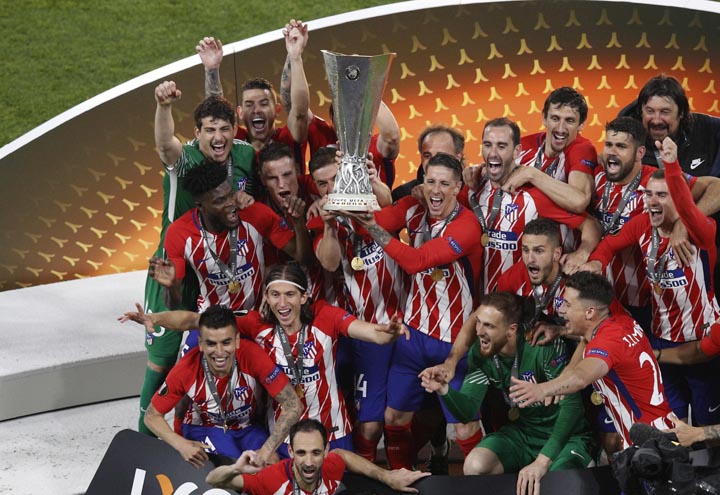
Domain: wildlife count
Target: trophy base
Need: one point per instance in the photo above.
(351, 202)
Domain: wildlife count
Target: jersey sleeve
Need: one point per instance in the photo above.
(267, 480)
(605, 348)
(338, 320)
(552, 211)
(333, 467)
(174, 248)
(269, 224)
(392, 217)
(710, 344)
(248, 324)
(460, 237)
(628, 235)
(701, 229)
(581, 157)
(555, 358)
(251, 357)
(465, 403)
(173, 389)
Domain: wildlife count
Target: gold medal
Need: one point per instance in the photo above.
(437, 275)
(357, 263)
(299, 391)
(596, 398)
(514, 413)
(225, 428)
(656, 287)
(484, 239)
(234, 287)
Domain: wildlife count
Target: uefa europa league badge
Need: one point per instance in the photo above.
(356, 87)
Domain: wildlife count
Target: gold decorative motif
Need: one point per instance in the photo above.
(613, 43)
(541, 24)
(635, 19)
(434, 64)
(650, 63)
(494, 53)
(509, 26)
(572, 20)
(508, 72)
(584, 43)
(622, 64)
(566, 66)
(603, 19)
(672, 43)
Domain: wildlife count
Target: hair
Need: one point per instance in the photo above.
(457, 137)
(447, 161)
(204, 178)
(505, 122)
(591, 287)
(544, 226)
(322, 158)
(509, 304)
(216, 107)
(292, 272)
(659, 174)
(628, 125)
(274, 151)
(666, 87)
(567, 96)
(308, 425)
(258, 83)
(217, 316)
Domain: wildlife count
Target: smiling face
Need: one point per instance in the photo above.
(562, 124)
(215, 138)
(493, 332)
(257, 111)
(280, 179)
(620, 157)
(661, 117)
(218, 208)
(218, 345)
(499, 152)
(659, 204)
(285, 301)
(440, 188)
(308, 453)
(541, 258)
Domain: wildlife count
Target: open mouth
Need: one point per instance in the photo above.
(232, 216)
(656, 215)
(220, 362)
(436, 202)
(533, 270)
(612, 165)
(284, 313)
(485, 344)
(559, 137)
(494, 166)
(218, 149)
(258, 123)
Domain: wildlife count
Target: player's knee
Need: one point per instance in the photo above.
(393, 417)
(482, 461)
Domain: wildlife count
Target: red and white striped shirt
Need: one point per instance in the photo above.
(184, 243)
(187, 377)
(436, 308)
(580, 156)
(277, 479)
(322, 399)
(517, 281)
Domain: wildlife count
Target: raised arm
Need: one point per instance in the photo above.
(169, 147)
(211, 55)
(378, 333)
(328, 250)
(388, 143)
(296, 35)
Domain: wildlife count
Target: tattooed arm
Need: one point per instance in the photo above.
(291, 410)
(211, 54)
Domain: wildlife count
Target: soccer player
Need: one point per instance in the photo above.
(444, 259)
(376, 290)
(301, 338)
(223, 379)
(312, 468)
(504, 215)
(214, 131)
(222, 244)
(432, 140)
(537, 439)
(683, 298)
(615, 355)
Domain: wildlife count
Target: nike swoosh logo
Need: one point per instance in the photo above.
(608, 421)
(696, 163)
(577, 454)
(713, 409)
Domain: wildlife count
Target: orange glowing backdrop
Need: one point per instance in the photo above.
(82, 196)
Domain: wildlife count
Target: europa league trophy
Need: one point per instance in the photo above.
(356, 86)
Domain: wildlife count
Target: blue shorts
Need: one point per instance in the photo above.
(411, 357)
(344, 443)
(694, 384)
(371, 363)
(191, 342)
(231, 443)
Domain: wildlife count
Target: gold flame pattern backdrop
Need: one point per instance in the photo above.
(85, 199)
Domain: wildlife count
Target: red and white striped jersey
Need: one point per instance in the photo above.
(239, 402)
(580, 156)
(322, 399)
(277, 479)
(633, 388)
(516, 210)
(184, 244)
(378, 291)
(626, 270)
(436, 308)
(517, 281)
(686, 306)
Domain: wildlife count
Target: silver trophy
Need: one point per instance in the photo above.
(356, 86)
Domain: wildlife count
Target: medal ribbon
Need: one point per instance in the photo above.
(658, 157)
(295, 365)
(652, 269)
(542, 302)
(513, 373)
(631, 188)
(494, 210)
(427, 233)
(210, 379)
(355, 238)
(539, 161)
(229, 272)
